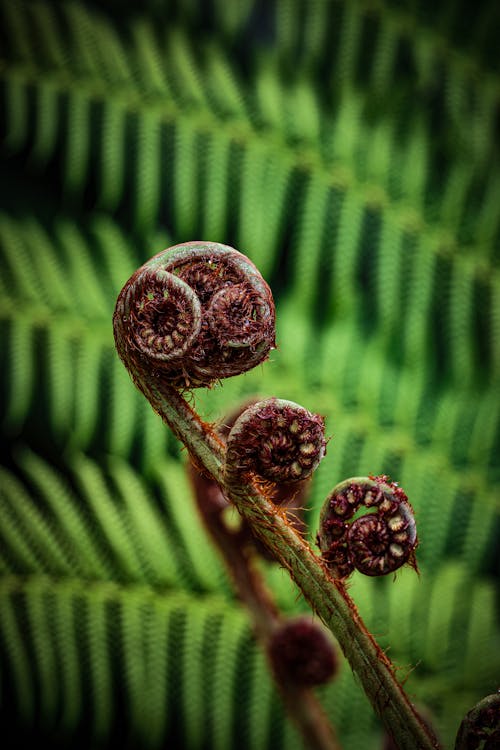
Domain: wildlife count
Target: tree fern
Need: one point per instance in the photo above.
(349, 149)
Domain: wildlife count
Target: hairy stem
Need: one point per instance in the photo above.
(329, 599)
(327, 596)
(204, 446)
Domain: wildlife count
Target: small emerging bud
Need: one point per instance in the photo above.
(302, 652)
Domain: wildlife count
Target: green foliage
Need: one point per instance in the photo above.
(349, 149)
(113, 571)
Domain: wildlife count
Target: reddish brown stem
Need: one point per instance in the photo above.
(301, 704)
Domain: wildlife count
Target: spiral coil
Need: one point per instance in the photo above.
(377, 543)
(195, 313)
(277, 441)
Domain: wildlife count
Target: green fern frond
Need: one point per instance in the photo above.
(88, 396)
(64, 337)
(196, 87)
(58, 298)
(140, 632)
(203, 167)
(107, 646)
(66, 588)
(150, 536)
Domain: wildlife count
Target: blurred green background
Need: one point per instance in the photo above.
(351, 150)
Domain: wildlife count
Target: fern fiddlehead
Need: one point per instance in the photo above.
(276, 440)
(253, 337)
(170, 336)
(376, 543)
(197, 312)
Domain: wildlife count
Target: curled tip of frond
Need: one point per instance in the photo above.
(277, 441)
(376, 543)
(193, 314)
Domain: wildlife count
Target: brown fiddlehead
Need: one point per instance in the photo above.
(195, 313)
(377, 543)
(302, 652)
(275, 441)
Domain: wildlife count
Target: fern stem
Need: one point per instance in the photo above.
(331, 602)
(205, 447)
(301, 704)
(328, 597)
